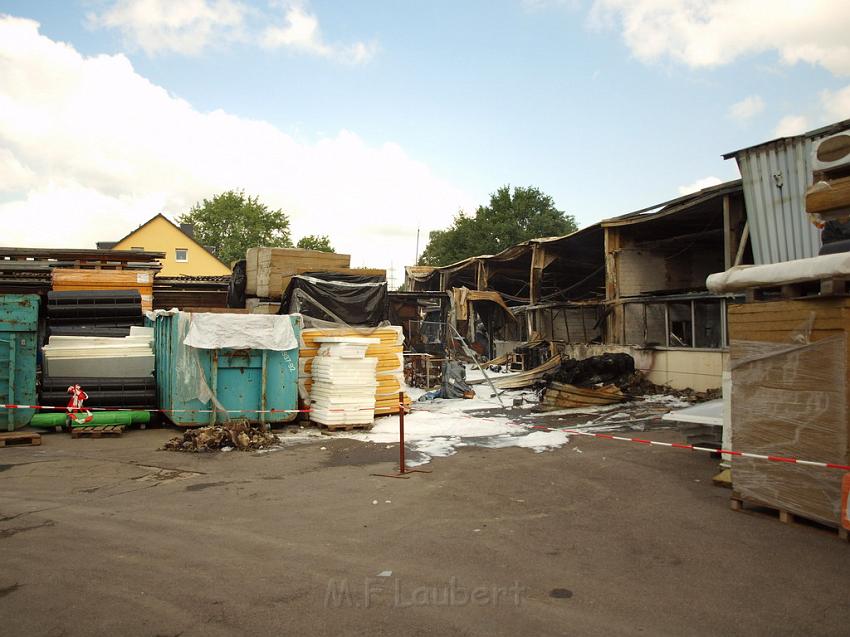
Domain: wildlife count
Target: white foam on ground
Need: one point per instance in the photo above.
(438, 428)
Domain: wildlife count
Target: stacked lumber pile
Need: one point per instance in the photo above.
(29, 270)
(71, 280)
(269, 270)
(190, 291)
(789, 398)
(389, 368)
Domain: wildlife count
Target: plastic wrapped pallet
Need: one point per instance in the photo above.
(788, 363)
(389, 367)
(73, 280)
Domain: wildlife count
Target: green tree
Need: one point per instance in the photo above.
(510, 218)
(315, 242)
(232, 222)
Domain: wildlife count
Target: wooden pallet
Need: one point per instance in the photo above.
(331, 428)
(804, 290)
(20, 438)
(97, 432)
(739, 503)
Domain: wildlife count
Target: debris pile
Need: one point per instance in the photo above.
(232, 435)
(640, 385)
(608, 369)
(605, 379)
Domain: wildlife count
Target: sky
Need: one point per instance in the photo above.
(367, 121)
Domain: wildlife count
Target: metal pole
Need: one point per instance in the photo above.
(403, 471)
(474, 358)
(401, 462)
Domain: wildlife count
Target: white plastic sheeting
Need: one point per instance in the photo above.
(750, 276)
(241, 331)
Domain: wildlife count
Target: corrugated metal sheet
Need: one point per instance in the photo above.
(776, 175)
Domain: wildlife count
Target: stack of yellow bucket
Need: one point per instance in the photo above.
(390, 363)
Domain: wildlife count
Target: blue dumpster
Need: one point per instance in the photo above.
(18, 332)
(204, 386)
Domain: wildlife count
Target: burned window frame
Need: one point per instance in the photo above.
(628, 331)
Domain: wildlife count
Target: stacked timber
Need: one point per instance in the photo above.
(72, 280)
(30, 270)
(190, 291)
(268, 270)
(389, 367)
(790, 382)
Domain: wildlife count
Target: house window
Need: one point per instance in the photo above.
(181, 255)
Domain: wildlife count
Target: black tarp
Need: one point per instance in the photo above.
(353, 299)
(236, 288)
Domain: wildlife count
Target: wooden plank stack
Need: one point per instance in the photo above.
(75, 280)
(789, 398)
(268, 270)
(390, 366)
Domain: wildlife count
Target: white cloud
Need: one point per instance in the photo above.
(14, 176)
(301, 32)
(791, 125)
(94, 149)
(189, 27)
(836, 104)
(186, 26)
(699, 33)
(699, 184)
(747, 108)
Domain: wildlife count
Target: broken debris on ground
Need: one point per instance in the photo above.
(225, 437)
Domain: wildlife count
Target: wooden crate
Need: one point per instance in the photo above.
(789, 398)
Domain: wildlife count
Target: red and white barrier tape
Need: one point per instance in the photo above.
(576, 432)
(687, 447)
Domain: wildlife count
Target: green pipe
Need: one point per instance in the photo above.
(48, 420)
(99, 419)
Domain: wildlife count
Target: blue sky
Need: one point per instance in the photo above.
(564, 95)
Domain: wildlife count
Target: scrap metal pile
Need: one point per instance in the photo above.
(238, 435)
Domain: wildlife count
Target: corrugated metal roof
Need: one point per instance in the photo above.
(817, 133)
(776, 175)
(673, 206)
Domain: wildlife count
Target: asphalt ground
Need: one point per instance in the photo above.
(113, 537)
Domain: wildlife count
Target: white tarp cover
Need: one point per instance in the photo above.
(241, 331)
(743, 277)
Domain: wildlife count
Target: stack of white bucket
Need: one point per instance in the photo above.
(344, 381)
